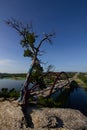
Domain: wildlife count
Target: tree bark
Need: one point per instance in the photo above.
(27, 81)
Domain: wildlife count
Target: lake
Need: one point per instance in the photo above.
(76, 99)
(11, 83)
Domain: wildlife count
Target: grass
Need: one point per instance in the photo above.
(82, 78)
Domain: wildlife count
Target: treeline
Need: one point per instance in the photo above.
(23, 75)
(71, 74)
(5, 93)
(83, 77)
(16, 75)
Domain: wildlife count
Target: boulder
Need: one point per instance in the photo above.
(14, 117)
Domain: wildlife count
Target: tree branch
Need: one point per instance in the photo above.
(47, 37)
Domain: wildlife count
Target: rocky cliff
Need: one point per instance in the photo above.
(13, 117)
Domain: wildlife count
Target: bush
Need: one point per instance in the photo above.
(5, 93)
(47, 102)
(13, 93)
(83, 78)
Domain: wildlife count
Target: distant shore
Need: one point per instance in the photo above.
(17, 76)
(79, 77)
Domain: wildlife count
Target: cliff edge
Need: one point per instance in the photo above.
(13, 117)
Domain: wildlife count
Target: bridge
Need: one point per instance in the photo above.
(54, 82)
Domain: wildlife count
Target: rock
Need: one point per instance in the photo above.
(59, 118)
(10, 116)
(13, 117)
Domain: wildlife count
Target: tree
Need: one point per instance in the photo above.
(4, 92)
(29, 43)
(50, 68)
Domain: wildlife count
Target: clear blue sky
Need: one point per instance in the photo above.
(67, 18)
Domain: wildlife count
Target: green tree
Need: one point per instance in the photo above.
(13, 93)
(4, 92)
(29, 41)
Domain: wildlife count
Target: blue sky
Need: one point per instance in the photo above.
(67, 18)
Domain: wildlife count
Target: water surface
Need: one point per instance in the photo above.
(76, 99)
(11, 83)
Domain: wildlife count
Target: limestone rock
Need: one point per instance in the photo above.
(59, 118)
(13, 117)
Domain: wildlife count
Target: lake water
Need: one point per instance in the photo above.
(11, 83)
(77, 99)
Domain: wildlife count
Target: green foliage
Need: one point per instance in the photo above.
(37, 75)
(13, 93)
(16, 76)
(37, 72)
(31, 47)
(49, 80)
(83, 77)
(5, 93)
(30, 37)
(71, 74)
(45, 102)
(28, 53)
(60, 101)
(63, 97)
(48, 102)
